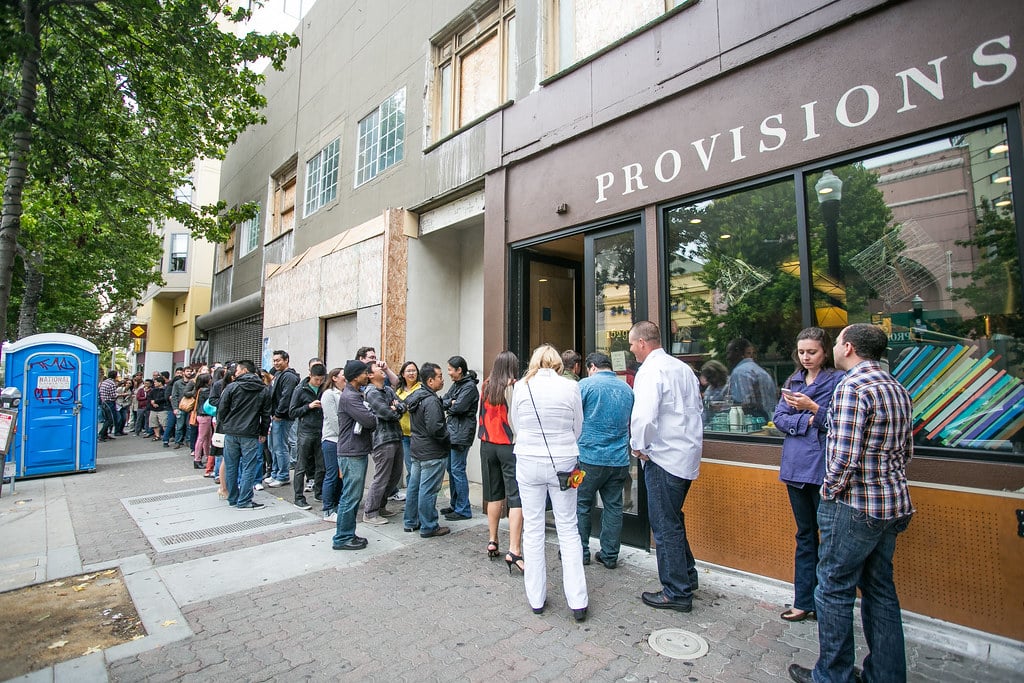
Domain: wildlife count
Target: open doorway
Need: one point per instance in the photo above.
(584, 291)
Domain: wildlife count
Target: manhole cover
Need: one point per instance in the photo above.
(678, 644)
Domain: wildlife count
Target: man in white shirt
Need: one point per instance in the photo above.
(667, 434)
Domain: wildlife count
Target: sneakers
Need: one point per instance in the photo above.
(302, 504)
(258, 487)
(384, 512)
(331, 517)
(251, 505)
(455, 517)
(276, 483)
(376, 521)
(399, 495)
(309, 486)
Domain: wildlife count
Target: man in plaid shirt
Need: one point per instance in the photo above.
(108, 397)
(865, 503)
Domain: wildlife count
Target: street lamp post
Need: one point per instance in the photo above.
(829, 190)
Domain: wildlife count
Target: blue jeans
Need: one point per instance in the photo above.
(242, 455)
(666, 494)
(856, 552)
(280, 448)
(458, 482)
(425, 477)
(353, 477)
(172, 423)
(180, 428)
(407, 456)
(804, 502)
(607, 481)
(332, 487)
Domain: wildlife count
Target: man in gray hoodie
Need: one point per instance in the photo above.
(355, 440)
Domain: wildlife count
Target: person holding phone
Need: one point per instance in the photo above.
(800, 416)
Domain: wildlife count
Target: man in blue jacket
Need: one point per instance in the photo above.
(243, 415)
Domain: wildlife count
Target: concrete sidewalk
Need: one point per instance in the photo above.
(269, 600)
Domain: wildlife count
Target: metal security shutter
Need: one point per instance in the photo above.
(240, 340)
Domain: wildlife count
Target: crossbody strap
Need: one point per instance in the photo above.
(541, 425)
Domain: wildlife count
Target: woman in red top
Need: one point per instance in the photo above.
(498, 462)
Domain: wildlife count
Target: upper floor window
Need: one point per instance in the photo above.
(282, 212)
(179, 253)
(381, 138)
(322, 178)
(583, 27)
(249, 235)
(476, 66)
(183, 193)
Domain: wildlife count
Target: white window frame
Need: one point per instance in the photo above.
(381, 138)
(249, 235)
(175, 237)
(322, 178)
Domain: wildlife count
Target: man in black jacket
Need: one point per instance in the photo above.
(387, 445)
(243, 415)
(355, 433)
(308, 414)
(281, 439)
(430, 449)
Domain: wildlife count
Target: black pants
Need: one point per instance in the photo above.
(309, 461)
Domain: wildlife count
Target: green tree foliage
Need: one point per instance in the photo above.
(741, 252)
(104, 106)
(994, 291)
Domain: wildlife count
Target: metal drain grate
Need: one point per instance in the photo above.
(248, 525)
(169, 496)
(678, 644)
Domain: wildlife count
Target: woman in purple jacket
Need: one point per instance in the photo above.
(800, 415)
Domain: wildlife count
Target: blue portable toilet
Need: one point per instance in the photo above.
(58, 376)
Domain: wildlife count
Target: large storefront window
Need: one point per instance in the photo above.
(734, 274)
(922, 241)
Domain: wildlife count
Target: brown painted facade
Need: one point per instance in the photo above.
(710, 98)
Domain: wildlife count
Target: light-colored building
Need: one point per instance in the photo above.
(169, 311)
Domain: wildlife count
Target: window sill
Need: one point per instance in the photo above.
(463, 128)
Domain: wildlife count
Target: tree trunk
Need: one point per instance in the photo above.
(17, 158)
(29, 314)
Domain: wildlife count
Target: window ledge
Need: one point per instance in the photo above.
(463, 128)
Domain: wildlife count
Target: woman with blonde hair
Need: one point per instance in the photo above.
(547, 415)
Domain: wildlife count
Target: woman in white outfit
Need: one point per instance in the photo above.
(547, 416)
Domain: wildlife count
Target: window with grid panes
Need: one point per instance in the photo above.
(381, 138)
(322, 178)
(475, 66)
(282, 212)
(250, 235)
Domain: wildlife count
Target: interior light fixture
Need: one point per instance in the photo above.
(694, 221)
(1005, 201)
(542, 279)
(724, 236)
(1002, 179)
(1001, 148)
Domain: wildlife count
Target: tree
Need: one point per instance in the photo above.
(736, 271)
(104, 106)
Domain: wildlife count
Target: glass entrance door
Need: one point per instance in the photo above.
(615, 297)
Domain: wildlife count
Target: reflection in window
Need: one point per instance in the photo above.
(179, 253)
(586, 26)
(922, 241)
(943, 278)
(615, 299)
(734, 273)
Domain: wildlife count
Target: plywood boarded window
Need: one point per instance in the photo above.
(475, 66)
(283, 207)
(583, 27)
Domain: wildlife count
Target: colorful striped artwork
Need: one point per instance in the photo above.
(961, 400)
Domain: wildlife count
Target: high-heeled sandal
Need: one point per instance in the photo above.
(513, 560)
(492, 549)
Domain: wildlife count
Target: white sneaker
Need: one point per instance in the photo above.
(274, 483)
(376, 521)
(257, 487)
(400, 495)
(331, 517)
(309, 485)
